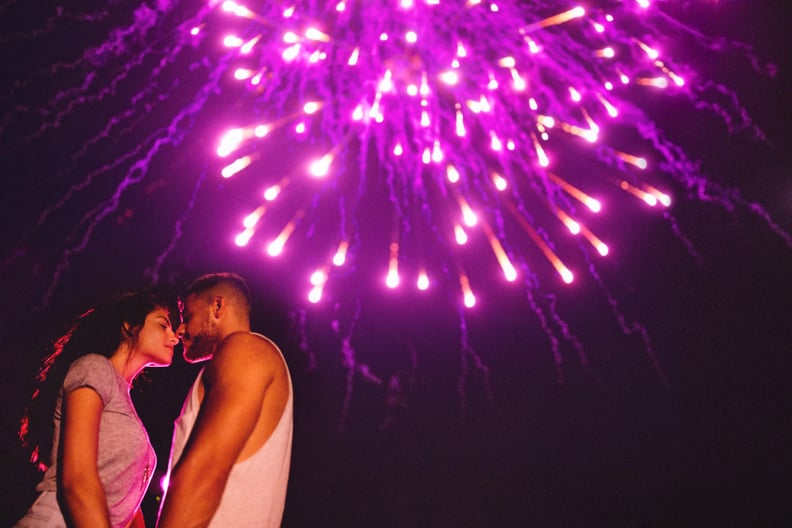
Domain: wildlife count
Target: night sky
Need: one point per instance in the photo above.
(451, 417)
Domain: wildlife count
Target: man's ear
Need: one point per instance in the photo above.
(218, 306)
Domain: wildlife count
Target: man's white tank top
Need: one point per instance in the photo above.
(255, 494)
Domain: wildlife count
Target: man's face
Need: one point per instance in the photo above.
(198, 332)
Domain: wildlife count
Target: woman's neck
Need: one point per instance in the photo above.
(125, 364)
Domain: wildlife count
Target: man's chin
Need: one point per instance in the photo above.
(191, 357)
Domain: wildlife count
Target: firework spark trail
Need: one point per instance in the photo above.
(735, 116)
(353, 367)
(631, 327)
(94, 218)
(398, 391)
(121, 44)
(552, 339)
(300, 319)
(546, 313)
(51, 23)
(141, 102)
(169, 136)
(677, 165)
(470, 358)
(686, 242)
(153, 271)
(118, 44)
(720, 45)
(9, 3)
(571, 338)
(67, 196)
(729, 198)
(732, 113)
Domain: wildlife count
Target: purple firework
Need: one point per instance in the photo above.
(460, 113)
(422, 143)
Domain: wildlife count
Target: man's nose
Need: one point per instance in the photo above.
(180, 331)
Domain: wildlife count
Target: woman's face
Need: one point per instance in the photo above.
(157, 339)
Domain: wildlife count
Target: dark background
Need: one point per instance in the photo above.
(428, 438)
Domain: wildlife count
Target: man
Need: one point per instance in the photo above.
(232, 442)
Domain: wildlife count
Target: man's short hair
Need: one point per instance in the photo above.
(211, 281)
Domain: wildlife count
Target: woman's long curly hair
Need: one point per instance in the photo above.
(100, 330)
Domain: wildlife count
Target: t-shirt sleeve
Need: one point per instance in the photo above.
(94, 371)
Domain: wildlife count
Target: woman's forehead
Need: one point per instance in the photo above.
(160, 311)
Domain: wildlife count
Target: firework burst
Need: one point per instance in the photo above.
(413, 143)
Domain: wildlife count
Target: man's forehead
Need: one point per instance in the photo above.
(191, 301)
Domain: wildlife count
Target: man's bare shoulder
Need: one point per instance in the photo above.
(245, 354)
(250, 345)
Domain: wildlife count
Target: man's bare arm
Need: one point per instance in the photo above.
(235, 382)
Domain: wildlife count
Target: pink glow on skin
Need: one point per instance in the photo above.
(165, 482)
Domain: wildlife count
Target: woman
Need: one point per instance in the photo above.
(97, 455)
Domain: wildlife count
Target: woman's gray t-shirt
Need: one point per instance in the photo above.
(126, 460)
